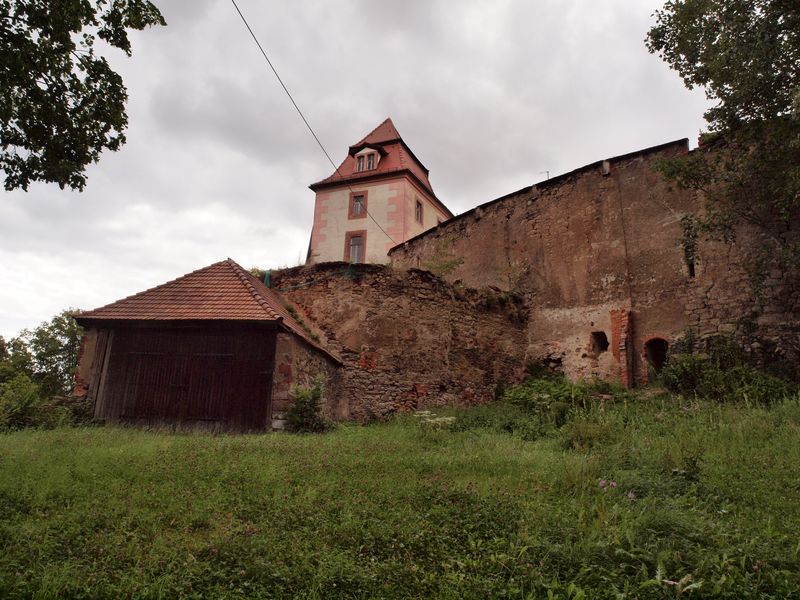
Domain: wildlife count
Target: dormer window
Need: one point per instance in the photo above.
(366, 161)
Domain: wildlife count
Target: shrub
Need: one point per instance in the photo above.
(538, 395)
(691, 374)
(305, 413)
(20, 403)
(704, 377)
(73, 410)
(537, 406)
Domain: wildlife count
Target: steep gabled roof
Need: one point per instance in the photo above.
(385, 132)
(223, 291)
(396, 158)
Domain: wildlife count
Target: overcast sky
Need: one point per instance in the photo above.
(488, 94)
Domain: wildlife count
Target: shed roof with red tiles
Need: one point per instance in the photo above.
(396, 158)
(223, 291)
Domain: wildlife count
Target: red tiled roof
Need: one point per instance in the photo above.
(384, 132)
(223, 291)
(398, 158)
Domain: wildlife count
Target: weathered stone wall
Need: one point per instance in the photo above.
(722, 300)
(408, 340)
(597, 251)
(296, 363)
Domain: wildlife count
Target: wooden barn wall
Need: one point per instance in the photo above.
(214, 379)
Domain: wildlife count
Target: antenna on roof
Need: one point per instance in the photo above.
(543, 172)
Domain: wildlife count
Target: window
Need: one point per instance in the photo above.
(359, 163)
(418, 212)
(370, 161)
(355, 246)
(356, 249)
(358, 205)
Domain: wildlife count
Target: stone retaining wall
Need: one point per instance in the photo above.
(408, 340)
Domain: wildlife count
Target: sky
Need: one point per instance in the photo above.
(489, 94)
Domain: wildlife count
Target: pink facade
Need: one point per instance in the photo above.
(380, 196)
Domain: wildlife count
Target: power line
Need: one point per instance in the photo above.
(302, 116)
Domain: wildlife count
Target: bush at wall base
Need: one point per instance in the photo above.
(305, 413)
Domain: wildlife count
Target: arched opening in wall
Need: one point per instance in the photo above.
(598, 343)
(655, 350)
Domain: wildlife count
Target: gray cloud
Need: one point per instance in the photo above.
(489, 94)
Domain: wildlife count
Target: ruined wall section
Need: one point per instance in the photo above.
(597, 251)
(296, 363)
(760, 310)
(408, 340)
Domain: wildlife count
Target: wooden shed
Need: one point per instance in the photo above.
(197, 352)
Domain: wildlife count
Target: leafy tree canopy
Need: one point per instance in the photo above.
(746, 55)
(61, 103)
(15, 359)
(47, 354)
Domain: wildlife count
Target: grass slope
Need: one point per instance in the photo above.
(706, 504)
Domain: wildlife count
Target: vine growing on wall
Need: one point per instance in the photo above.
(443, 260)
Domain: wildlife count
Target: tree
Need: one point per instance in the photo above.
(61, 104)
(746, 54)
(54, 347)
(15, 359)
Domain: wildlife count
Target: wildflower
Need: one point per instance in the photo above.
(602, 484)
(613, 483)
(631, 495)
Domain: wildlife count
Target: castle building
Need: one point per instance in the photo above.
(581, 274)
(380, 196)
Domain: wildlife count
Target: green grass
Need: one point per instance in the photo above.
(707, 495)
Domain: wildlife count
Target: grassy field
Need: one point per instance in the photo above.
(651, 497)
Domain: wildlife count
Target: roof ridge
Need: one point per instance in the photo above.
(376, 129)
(155, 287)
(287, 320)
(243, 277)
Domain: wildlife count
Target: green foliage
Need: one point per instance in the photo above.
(23, 405)
(746, 55)
(690, 229)
(15, 359)
(41, 363)
(61, 104)
(693, 375)
(723, 373)
(257, 272)
(54, 347)
(305, 413)
(20, 403)
(639, 500)
(443, 260)
(301, 321)
(536, 393)
(539, 406)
